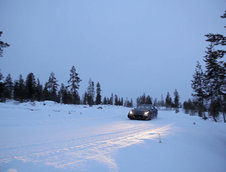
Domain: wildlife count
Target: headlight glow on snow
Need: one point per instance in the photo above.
(131, 112)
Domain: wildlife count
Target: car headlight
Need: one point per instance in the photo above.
(146, 113)
(131, 112)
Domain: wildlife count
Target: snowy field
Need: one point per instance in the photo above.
(53, 137)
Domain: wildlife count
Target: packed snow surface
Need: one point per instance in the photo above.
(46, 136)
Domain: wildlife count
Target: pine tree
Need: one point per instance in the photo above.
(148, 100)
(85, 98)
(111, 99)
(46, 94)
(199, 86)
(105, 101)
(116, 100)
(39, 91)
(91, 93)
(2, 98)
(21, 92)
(16, 90)
(74, 85)
(65, 96)
(30, 87)
(176, 99)
(168, 100)
(141, 100)
(2, 45)
(121, 101)
(8, 87)
(52, 86)
(98, 96)
(215, 74)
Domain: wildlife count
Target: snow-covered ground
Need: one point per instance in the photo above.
(54, 137)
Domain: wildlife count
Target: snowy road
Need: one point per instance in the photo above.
(68, 138)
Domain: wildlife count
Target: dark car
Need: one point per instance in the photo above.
(143, 112)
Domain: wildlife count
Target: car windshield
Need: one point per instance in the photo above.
(143, 107)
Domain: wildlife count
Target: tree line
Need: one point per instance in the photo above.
(168, 102)
(31, 89)
(209, 85)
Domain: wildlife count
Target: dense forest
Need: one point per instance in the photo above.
(31, 89)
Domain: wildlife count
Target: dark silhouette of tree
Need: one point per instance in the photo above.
(85, 98)
(52, 86)
(111, 99)
(148, 100)
(98, 96)
(105, 101)
(91, 93)
(215, 74)
(73, 85)
(2, 98)
(30, 87)
(116, 100)
(8, 87)
(2, 45)
(20, 89)
(144, 100)
(121, 101)
(176, 99)
(39, 91)
(199, 86)
(46, 94)
(168, 100)
(210, 87)
(65, 95)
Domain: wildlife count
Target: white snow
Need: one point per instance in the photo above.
(46, 136)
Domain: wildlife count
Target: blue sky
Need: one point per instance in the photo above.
(130, 46)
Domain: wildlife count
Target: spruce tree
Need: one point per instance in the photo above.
(199, 86)
(73, 85)
(105, 101)
(148, 100)
(39, 91)
(111, 99)
(8, 87)
(65, 96)
(141, 100)
(121, 101)
(46, 94)
(215, 73)
(91, 93)
(98, 94)
(176, 99)
(20, 89)
(2, 98)
(16, 90)
(85, 98)
(168, 100)
(116, 100)
(30, 87)
(52, 86)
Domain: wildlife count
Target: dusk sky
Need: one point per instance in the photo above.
(130, 46)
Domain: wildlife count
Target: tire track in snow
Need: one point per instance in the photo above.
(76, 151)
